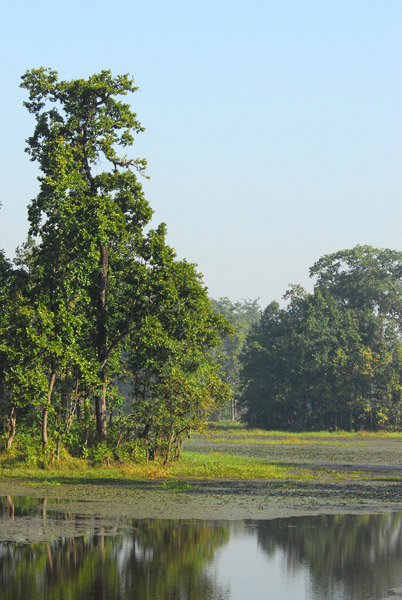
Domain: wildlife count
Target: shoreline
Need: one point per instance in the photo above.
(215, 500)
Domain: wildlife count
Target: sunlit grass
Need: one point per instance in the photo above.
(75, 470)
(237, 430)
(193, 465)
(217, 465)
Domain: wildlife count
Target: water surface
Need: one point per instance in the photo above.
(50, 552)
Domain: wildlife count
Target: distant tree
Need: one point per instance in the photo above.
(330, 359)
(363, 277)
(242, 315)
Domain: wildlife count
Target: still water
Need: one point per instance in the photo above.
(48, 551)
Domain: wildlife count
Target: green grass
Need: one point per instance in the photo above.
(193, 465)
(217, 465)
(200, 464)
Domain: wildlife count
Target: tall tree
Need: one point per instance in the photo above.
(90, 221)
(106, 296)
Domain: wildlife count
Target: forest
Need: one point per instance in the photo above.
(110, 347)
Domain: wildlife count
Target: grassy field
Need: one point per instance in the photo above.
(229, 451)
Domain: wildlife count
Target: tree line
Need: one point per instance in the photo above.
(330, 359)
(105, 336)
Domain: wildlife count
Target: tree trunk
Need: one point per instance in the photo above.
(44, 427)
(45, 410)
(100, 400)
(233, 410)
(69, 420)
(12, 418)
(169, 448)
(100, 412)
(58, 450)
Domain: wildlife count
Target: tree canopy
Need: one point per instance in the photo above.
(333, 358)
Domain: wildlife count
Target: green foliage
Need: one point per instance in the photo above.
(331, 359)
(242, 316)
(98, 296)
(100, 454)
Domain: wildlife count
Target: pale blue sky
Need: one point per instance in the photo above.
(273, 128)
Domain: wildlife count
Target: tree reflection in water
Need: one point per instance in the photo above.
(348, 556)
(145, 560)
(353, 557)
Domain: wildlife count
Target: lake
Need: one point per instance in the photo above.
(49, 552)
